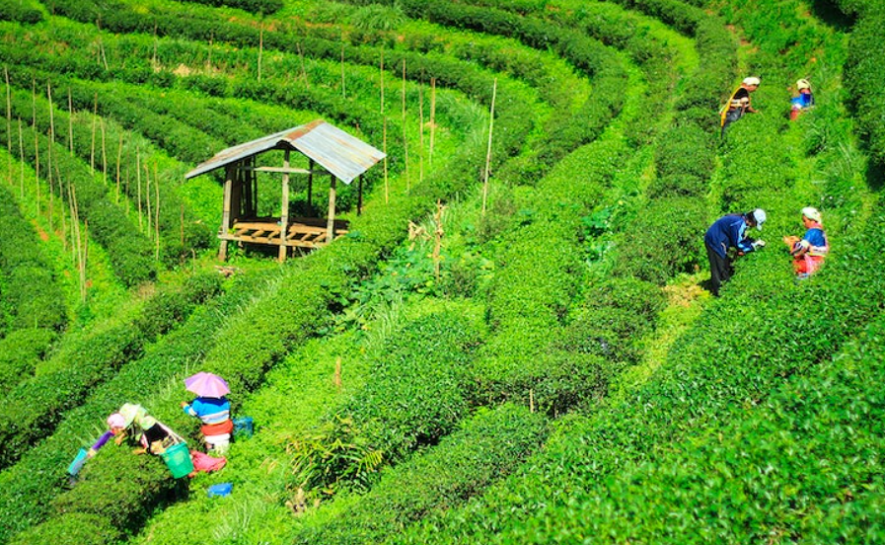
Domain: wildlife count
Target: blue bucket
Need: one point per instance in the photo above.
(243, 427)
(220, 490)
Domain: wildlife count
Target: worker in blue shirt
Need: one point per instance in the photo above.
(730, 232)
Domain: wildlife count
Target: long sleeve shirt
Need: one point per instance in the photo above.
(102, 440)
(210, 410)
(729, 231)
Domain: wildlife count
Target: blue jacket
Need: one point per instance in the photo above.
(210, 410)
(729, 231)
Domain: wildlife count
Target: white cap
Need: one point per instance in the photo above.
(752, 81)
(811, 213)
(759, 217)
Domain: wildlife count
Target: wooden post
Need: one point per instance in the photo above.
(21, 154)
(94, 117)
(437, 236)
(343, 83)
(432, 117)
(147, 199)
(260, 49)
(421, 127)
(49, 174)
(384, 133)
(119, 161)
(310, 166)
(225, 216)
(359, 196)
(485, 181)
(8, 125)
(284, 212)
(330, 224)
(405, 142)
(303, 71)
(104, 153)
(71, 121)
(138, 185)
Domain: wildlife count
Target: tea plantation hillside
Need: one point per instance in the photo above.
(515, 341)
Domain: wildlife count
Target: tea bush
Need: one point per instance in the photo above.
(484, 449)
(35, 406)
(20, 351)
(30, 288)
(863, 72)
(25, 12)
(30, 486)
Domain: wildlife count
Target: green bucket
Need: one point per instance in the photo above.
(178, 460)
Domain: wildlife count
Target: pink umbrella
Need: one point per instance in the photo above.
(207, 385)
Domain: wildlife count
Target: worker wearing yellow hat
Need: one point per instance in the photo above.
(739, 103)
(809, 251)
(804, 101)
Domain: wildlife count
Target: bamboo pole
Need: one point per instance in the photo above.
(284, 209)
(157, 210)
(405, 143)
(8, 125)
(92, 149)
(343, 82)
(384, 137)
(104, 152)
(36, 141)
(21, 155)
(147, 194)
(260, 49)
(421, 133)
(138, 185)
(49, 173)
(485, 181)
(119, 159)
(85, 259)
(64, 227)
(303, 71)
(70, 121)
(432, 117)
(438, 235)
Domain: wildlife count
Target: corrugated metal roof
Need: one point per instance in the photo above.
(338, 152)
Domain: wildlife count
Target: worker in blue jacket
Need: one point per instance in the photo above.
(730, 232)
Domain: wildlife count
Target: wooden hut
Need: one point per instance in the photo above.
(329, 150)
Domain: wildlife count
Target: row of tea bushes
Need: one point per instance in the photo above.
(483, 450)
(31, 486)
(180, 231)
(260, 7)
(30, 290)
(130, 252)
(863, 72)
(35, 406)
(22, 11)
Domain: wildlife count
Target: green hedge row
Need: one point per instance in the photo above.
(21, 11)
(260, 7)
(30, 487)
(131, 253)
(483, 450)
(35, 406)
(20, 351)
(863, 71)
(714, 375)
(30, 288)
(178, 235)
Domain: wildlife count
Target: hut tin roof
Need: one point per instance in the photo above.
(345, 156)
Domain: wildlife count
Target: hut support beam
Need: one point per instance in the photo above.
(330, 225)
(359, 197)
(310, 186)
(284, 212)
(229, 173)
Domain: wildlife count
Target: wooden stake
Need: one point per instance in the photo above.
(284, 209)
(21, 155)
(147, 192)
(70, 121)
(421, 133)
(531, 400)
(260, 49)
(432, 117)
(485, 181)
(8, 125)
(49, 173)
(119, 160)
(438, 234)
(64, 227)
(85, 259)
(92, 150)
(405, 143)
(104, 152)
(138, 185)
(303, 71)
(157, 210)
(384, 133)
(343, 84)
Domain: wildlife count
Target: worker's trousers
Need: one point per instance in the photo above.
(720, 270)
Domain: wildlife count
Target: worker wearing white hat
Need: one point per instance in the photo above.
(739, 103)
(804, 101)
(730, 232)
(809, 251)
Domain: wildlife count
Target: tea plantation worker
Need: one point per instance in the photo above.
(727, 232)
(214, 413)
(809, 251)
(134, 420)
(804, 101)
(739, 103)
